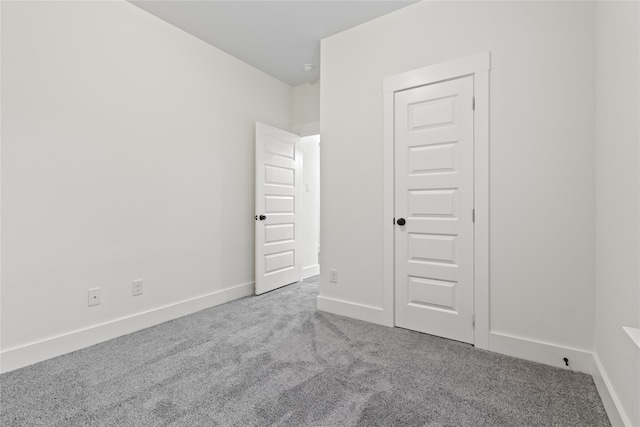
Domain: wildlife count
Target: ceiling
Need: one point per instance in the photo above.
(277, 37)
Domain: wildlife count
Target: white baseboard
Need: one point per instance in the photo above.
(351, 309)
(312, 270)
(541, 352)
(18, 357)
(612, 405)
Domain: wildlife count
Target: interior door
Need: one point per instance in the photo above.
(278, 185)
(434, 209)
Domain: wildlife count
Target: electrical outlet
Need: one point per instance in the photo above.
(137, 287)
(333, 275)
(94, 296)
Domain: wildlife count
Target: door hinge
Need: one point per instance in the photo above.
(473, 102)
(394, 221)
(473, 215)
(473, 320)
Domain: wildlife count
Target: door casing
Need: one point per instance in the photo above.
(477, 66)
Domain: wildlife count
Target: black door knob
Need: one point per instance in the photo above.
(401, 221)
(262, 217)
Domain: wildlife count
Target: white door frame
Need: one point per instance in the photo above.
(477, 66)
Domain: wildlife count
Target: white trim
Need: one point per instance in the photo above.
(481, 250)
(634, 334)
(478, 66)
(541, 352)
(312, 270)
(438, 72)
(351, 309)
(615, 411)
(24, 355)
(388, 205)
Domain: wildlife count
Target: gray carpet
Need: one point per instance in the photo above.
(275, 360)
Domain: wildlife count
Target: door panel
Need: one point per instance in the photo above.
(432, 203)
(432, 293)
(434, 194)
(277, 198)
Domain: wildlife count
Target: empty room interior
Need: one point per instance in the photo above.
(320, 213)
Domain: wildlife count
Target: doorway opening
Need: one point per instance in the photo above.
(310, 221)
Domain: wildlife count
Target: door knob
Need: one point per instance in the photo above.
(262, 217)
(401, 221)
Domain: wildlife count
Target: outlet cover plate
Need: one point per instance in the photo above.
(94, 296)
(333, 275)
(137, 288)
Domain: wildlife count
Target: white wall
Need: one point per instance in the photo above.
(306, 109)
(617, 201)
(541, 155)
(306, 122)
(128, 152)
(310, 220)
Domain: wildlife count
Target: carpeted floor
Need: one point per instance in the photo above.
(275, 360)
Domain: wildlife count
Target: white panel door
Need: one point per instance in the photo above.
(434, 209)
(278, 184)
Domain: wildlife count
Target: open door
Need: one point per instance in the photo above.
(278, 185)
